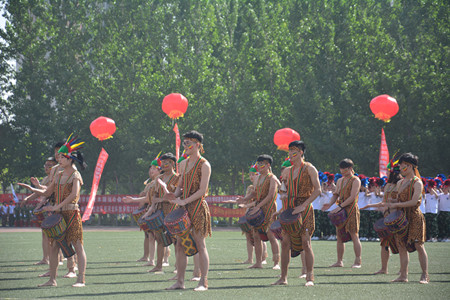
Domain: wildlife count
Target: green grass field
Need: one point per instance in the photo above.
(113, 273)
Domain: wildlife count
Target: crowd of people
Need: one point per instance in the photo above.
(281, 210)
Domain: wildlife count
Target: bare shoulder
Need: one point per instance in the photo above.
(285, 172)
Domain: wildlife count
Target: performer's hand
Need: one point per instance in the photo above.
(178, 201)
(49, 208)
(326, 206)
(275, 214)
(240, 199)
(298, 209)
(170, 197)
(35, 182)
(336, 210)
(27, 186)
(126, 199)
(283, 196)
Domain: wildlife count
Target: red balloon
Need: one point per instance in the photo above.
(283, 137)
(384, 107)
(175, 105)
(103, 128)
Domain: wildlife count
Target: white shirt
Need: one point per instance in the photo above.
(444, 202)
(431, 203)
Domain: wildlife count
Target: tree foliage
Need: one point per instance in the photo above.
(248, 68)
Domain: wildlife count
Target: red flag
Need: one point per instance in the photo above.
(384, 155)
(177, 142)
(102, 158)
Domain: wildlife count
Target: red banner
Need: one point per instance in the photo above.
(102, 158)
(384, 155)
(219, 211)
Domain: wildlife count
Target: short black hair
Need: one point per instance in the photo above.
(409, 158)
(299, 144)
(265, 157)
(194, 135)
(58, 145)
(346, 163)
(168, 155)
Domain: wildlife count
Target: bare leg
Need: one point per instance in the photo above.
(309, 259)
(45, 250)
(166, 257)
(159, 258)
(285, 259)
(146, 248)
(357, 249)
(258, 251)
(249, 248)
(302, 255)
(404, 261)
(264, 252)
(275, 250)
(151, 249)
(81, 255)
(203, 258)
(340, 247)
(54, 261)
(181, 267)
(384, 261)
(196, 274)
(71, 267)
(423, 259)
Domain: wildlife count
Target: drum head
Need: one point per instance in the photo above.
(275, 225)
(139, 210)
(157, 214)
(175, 215)
(287, 216)
(379, 225)
(393, 216)
(51, 221)
(242, 220)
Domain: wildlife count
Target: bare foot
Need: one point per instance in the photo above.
(42, 262)
(48, 283)
(79, 284)
(201, 288)
(195, 278)
(155, 269)
(338, 264)
(400, 279)
(248, 261)
(47, 274)
(176, 286)
(143, 259)
(381, 272)
(149, 264)
(356, 266)
(280, 282)
(256, 266)
(309, 283)
(424, 279)
(276, 267)
(70, 275)
(174, 277)
(302, 276)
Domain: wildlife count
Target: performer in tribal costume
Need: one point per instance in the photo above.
(346, 197)
(410, 191)
(389, 196)
(263, 197)
(66, 190)
(155, 198)
(303, 187)
(190, 193)
(150, 184)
